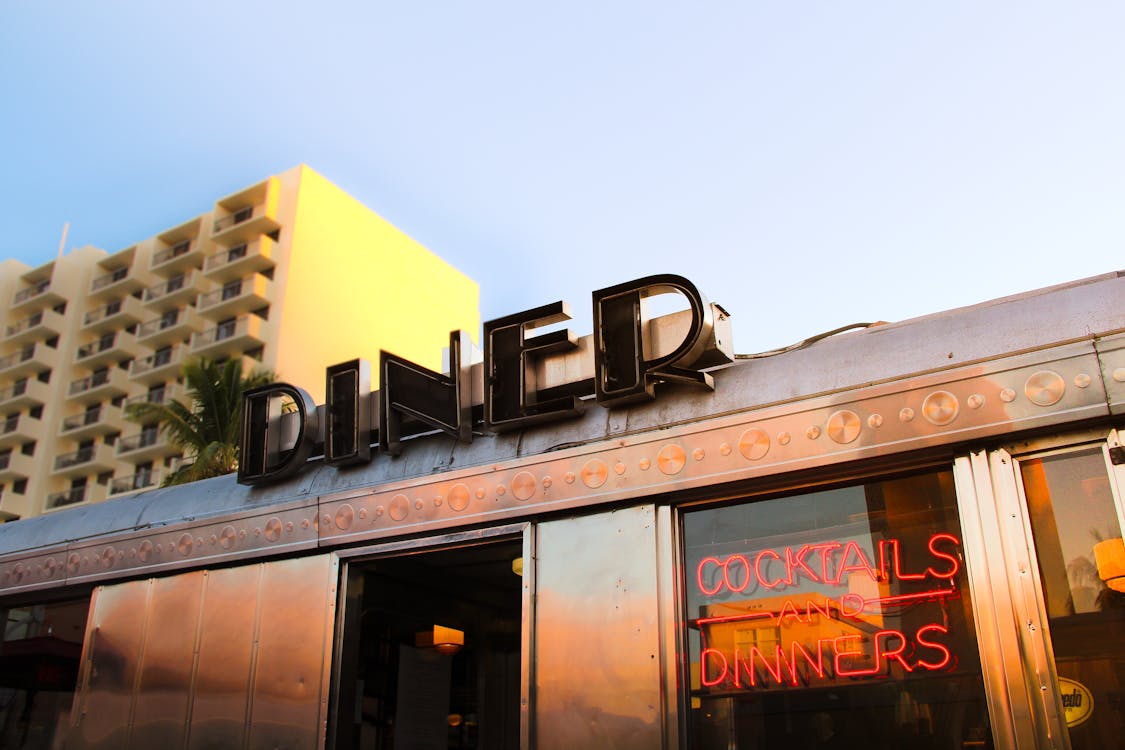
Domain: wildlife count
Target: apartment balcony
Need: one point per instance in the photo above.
(103, 420)
(24, 393)
(18, 429)
(160, 366)
(144, 446)
(119, 282)
(173, 325)
(104, 385)
(177, 255)
(241, 260)
(36, 327)
(247, 215)
(167, 393)
(15, 465)
(36, 296)
(236, 298)
(142, 481)
(120, 313)
(93, 459)
(176, 291)
(230, 338)
(68, 497)
(28, 360)
(109, 349)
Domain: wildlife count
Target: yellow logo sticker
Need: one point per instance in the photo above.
(1078, 703)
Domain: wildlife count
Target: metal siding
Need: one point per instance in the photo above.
(597, 646)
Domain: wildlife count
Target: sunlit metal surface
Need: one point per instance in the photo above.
(228, 658)
(597, 645)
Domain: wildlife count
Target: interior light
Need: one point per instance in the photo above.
(1109, 556)
(517, 566)
(444, 640)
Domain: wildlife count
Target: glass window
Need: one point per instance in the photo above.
(837, 618)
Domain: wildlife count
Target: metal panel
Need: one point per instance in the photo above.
(996, 624)
(226, 644)
(290, 690)
(114, 640)
(164, 684)
(597, 643)
(669, 585)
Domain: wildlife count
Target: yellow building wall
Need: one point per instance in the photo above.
(354, 284)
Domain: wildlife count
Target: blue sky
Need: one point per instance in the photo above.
(806, 164)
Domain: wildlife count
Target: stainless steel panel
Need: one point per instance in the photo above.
(597, 641)
(669, 585)
(103, 708)
(997, 625)
(226, 644)
(290, 690)
(164, 684)
(1111, 352)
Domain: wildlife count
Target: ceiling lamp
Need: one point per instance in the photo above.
(444, 640)
(1109, 556)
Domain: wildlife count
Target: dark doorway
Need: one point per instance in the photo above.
(430, 658)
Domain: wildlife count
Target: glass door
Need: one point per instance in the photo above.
(1073, 514)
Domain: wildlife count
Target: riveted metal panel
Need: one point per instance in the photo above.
(1111, 352)
(597, 645)
(290, 690)
(165, 679)
(226, 646)
(45, 568)
(103, 707)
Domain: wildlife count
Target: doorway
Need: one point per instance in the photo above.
(429, 654)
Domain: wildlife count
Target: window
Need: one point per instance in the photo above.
(837, 618)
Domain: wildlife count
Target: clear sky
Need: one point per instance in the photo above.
(806, 164)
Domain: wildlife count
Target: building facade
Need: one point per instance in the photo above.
(905, 536)
(289, 275)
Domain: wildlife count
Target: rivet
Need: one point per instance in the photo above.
(698, 454)
(975, 401)
(437, 501)
(400, 507)
(812, 433)
(619, 468)
(1007, 395)
(524, 485)
(594, 473)
(305, 523)
(569, 477)
(1044, 388)
(214, 539)
(501, 490)
(940, 408)
(725, 449)
(906, 414)
(227, 537)
(362, 513)
(547, 482)
(783, 438)
(345, 517)
(671, 459)
(459, 497)
(480, 493)
(132, 552)
(185, 544)
(1082, 380)
(875, 421)
(1119, 374)
(257, 531)
(644, 464)
(273, 528)
(844, 426)
(326, 520)
(418, 504)
(289, 524)
(379, 510)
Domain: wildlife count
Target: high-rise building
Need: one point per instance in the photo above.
(290, 274)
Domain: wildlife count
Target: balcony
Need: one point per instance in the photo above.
(110, 348)
(178, 249)
(102, 420)
(140, 481)
(241, 260)
(230, 338)
(67, 497)
(162, 365)
(119, 282)
(160, 395)
(37, 295)
(24, 393)
(103, 385)
(173, 325)
(15, 465)
(176, 291)
(93, 459)
(236, 298)
(42, 325)
(247, 215)
(120, 313)
(144, 446)
(18, 429)
(29, 360)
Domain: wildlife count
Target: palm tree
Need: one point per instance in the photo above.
(208, 431)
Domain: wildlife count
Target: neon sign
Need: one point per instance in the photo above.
(827, 636)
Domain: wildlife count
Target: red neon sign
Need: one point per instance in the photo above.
(825, 563)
